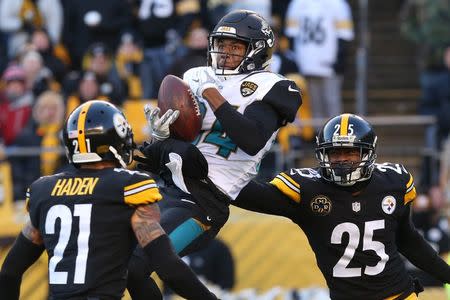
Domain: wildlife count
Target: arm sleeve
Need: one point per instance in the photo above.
(249, 131)
(157, 155)
(21, 256)
(172, 270)
(265, 198)
(416, 249)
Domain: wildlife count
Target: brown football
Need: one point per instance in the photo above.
(174, 93)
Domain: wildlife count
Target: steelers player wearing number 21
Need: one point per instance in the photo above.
(243, 106)
(85, 217)
(355, 214)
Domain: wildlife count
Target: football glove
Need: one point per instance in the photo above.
(159, 126)
(206, 79)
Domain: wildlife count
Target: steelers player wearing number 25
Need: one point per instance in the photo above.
(243, 106)
(355, 214)
(85, 217)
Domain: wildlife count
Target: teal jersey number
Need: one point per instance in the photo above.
(219, 138)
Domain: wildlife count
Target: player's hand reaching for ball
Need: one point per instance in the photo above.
(159, 126)
(206, 79)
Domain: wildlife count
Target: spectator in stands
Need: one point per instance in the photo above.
(436, 97)
(321, 31)
(435, 101)
(100, 60)
(41, 132)
(279, 9)
(88, 89)
(211, 11)
(283, 58)
(18, 18)
(427, 24)
(428, 219)
(128, 61)
(41, 42)
(38, 77)
(15, 104)
(158, 26)
(196, 52)
(88, 21)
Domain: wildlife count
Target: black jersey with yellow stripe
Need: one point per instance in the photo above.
(353, 231)
(84, 218)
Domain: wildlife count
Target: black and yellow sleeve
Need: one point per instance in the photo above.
(287, 186)
(142, 192)
(410, 192)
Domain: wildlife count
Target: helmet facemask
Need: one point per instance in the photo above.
(346, 172)
(254, 58)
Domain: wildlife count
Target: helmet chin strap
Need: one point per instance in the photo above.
(118, 157)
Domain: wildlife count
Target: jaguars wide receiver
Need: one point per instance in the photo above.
(355, 214)
(85, 216)
(243, 105)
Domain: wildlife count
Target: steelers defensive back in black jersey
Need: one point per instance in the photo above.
(91, 217)
(79, 214)
(354, 212)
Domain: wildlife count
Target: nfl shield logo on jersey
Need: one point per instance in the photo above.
(388, 204)
(356, 206)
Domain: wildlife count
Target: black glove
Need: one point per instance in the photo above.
(150, 162)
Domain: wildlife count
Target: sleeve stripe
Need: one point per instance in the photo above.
(141, 183)
(145, 197)
(410, 182)
(286, 188)
(410, 188)
(291, 181)
(343, 24)
(410, 193)
(139, 189)
(410, 196)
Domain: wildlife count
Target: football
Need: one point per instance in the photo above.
(174, 93)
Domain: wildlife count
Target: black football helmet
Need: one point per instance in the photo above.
(98, 131)
(249, 27)
(346, 131)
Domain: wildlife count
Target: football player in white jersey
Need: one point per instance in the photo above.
(243, 107)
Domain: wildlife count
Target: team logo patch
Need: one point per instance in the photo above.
(388, 204)
(121, 125)
(267, 31)
(248, 88)
(321, 205)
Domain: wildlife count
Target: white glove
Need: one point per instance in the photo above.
(206, 79)
(159, 126)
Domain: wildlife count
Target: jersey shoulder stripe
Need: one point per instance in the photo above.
(287, 186)
(410, 194)
(143, 192)
(138, 184)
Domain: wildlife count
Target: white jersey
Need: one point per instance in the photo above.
(230, 168)
(316, 26)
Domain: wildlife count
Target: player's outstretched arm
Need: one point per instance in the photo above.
(265, 198)
(27, 248)
(156, 155)
(417, 250)
(168, 265)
